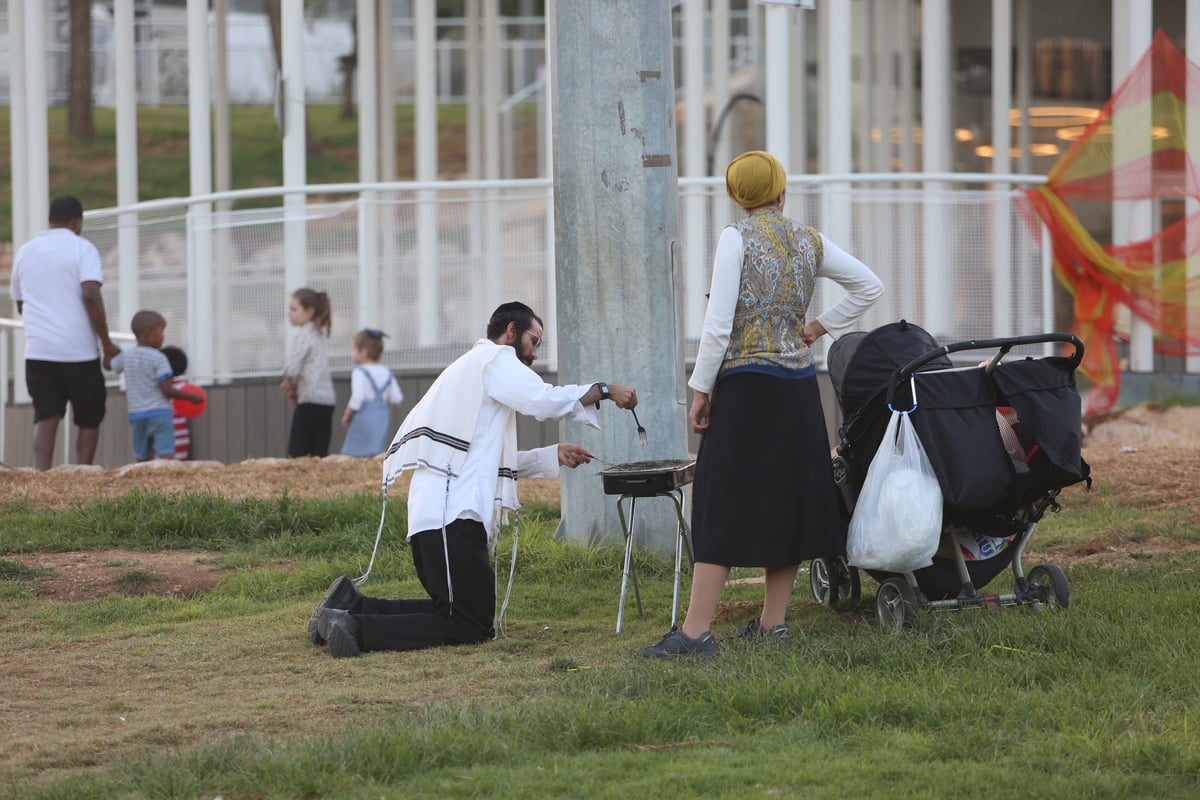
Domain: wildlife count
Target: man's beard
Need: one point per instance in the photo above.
(524, 356)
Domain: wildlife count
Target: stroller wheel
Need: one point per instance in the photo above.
(895, 604)
(1048, 584)
(833, 581)
(821, 578)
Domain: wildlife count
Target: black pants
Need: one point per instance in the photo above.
(418, 624)
(312, 425)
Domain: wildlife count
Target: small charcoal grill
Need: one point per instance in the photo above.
(648, 478)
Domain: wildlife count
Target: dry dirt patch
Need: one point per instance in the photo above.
(83, 575)
(1142, 452)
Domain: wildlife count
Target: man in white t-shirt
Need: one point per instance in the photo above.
(56, 280)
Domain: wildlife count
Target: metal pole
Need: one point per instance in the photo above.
(200, 314)
(1133, 220)
(22, 225)
(426, 151)
(37, 137)
(616, 228)
(127, 161)
(223, 179)
(694, 127)
(368, 163)
(935, 157)
(1193, 149)
(1001, 209)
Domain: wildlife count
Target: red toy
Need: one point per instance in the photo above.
(186, 408)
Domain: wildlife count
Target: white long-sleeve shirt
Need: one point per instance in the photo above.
(861, 284)
(508, 385)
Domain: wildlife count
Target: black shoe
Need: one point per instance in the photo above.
(341, 594)
(754, 630)
(341, 631)
(678, 644)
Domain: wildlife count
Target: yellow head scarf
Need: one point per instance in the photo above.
(755, 179)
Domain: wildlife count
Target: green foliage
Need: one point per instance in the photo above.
(88, 169)
(146, 521)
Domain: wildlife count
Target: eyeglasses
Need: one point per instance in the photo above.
(536, 341)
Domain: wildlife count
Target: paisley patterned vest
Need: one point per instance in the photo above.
(779, 268)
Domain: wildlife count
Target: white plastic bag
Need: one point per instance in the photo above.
(897, 520)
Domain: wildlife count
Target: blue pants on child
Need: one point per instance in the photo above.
(154, 435)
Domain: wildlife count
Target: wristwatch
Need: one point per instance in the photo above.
(605, 393)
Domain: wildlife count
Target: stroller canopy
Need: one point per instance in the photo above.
(861, 364)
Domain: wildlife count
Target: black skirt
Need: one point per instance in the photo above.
(763, 494)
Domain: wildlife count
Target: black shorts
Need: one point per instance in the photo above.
(52, 384)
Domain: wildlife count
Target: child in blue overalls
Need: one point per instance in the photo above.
(372, 388)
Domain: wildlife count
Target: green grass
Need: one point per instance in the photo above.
(152, 697)
(88, 169)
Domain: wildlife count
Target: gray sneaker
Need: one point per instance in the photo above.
(341, 594)
(341, 631)
(677, 644)
(754, 630)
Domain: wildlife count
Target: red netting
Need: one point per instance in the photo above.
(1131, 163)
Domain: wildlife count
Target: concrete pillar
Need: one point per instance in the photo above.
(616, 225)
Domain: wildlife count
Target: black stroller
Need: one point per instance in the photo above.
(1002, 438)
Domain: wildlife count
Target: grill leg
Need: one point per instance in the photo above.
(630, 568)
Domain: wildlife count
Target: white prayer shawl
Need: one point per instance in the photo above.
(437, 433)
(460, 439)
(460, 430)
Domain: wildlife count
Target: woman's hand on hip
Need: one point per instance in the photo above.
(699, 414)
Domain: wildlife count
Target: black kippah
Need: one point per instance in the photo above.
(512, 308)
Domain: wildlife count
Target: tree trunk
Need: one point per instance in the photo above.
(348, 64)
(80, 122)
(275, 19)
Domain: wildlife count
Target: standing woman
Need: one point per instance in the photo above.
(764, 494)
(306, 377)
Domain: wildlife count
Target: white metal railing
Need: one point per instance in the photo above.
(445, 253)
(12, 341)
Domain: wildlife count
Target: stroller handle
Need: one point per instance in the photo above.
(901, 374)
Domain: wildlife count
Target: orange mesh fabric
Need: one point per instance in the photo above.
(1157, 278)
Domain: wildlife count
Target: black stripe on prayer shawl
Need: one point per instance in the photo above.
(508, 472)
(430, 433)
